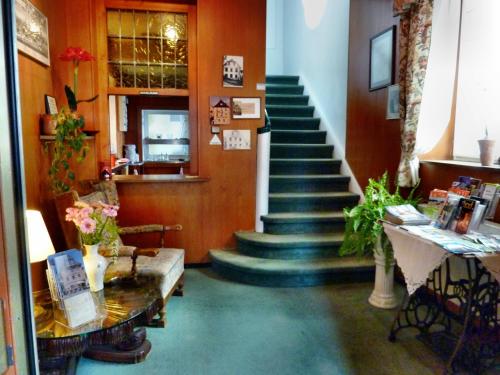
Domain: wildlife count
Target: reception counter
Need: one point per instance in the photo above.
(168, 200)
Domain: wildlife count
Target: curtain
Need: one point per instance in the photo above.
(414, 44)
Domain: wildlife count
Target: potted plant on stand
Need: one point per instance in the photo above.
(364, 234)
(96, 225)
(69, 135)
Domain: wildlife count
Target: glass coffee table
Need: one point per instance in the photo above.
(114, 337)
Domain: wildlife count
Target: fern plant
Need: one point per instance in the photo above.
(363, 226)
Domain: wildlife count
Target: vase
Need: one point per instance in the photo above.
(48, 125)
(383, 293)
(486, 148)
(95, 266)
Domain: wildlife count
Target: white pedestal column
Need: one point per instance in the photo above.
(383, 293)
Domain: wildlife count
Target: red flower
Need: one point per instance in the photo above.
(76, 54)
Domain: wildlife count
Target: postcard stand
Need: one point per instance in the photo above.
(70, 290)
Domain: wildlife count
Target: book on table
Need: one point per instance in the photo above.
(69, 287)
(405, 214)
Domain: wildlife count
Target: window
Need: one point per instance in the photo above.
(147, 49)
(478, 94)
(165, 135)
(476, 55)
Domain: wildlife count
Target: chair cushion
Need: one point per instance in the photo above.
(165, 269)
(97, 196)
(108, 188)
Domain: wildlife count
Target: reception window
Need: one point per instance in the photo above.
(165, 135)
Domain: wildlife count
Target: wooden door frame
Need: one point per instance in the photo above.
(12, 205)
(100, 7)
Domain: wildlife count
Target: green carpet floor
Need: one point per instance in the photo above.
(220, 327)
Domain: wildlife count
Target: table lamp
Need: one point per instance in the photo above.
(40, 247)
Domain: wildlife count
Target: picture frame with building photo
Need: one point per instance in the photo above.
(245, 108)
(232, 69)
(32, 32)
(392, 111)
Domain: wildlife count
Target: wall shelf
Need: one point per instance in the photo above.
(160, 141)
(52, 138)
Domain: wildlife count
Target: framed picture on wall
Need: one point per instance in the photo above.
(382, 58)
(392, 112)
(245, 108)
(32, 32)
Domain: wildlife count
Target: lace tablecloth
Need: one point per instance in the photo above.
(418, 257)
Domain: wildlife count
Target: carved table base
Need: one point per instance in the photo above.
(468, 336)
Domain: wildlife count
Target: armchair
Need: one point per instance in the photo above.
(164, 266)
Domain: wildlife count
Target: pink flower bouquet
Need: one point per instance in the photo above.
(95, 222)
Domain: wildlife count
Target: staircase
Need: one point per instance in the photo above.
(304, 228)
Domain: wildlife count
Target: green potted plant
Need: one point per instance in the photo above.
(364, 234)
(69, 136)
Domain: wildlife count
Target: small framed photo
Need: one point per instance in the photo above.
(32, 32)
(382, 58)
(50, 105)
(392, 112)
(232, 69)
(245, 108)
(220, 110)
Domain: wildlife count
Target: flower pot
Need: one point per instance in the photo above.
(383, 293)
(95, 266)
(48, 125)
(486, 148)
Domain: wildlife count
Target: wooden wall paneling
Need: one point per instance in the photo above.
(372, 142)
(167, 203)
(226, 202)
(229, 28)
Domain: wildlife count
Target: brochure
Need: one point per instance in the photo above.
(69, 286)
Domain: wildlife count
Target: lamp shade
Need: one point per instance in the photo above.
(39, 242)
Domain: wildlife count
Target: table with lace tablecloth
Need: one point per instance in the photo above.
(438, 297)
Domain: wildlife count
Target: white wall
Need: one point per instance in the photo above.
(274, 37)
(316, 40)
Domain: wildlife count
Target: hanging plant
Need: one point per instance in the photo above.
(69, 138)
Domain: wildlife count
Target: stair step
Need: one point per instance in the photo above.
(277, 110)
(287, 99)
(308, 183)
(295, 151)
(286, 166)
(272, 88)
(298, 136)
(290, 273)
(283, 79)
(289, 246)
(294, 123)
(304, 222)
(307, 202)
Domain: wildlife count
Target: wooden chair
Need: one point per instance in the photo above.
(164, 266)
